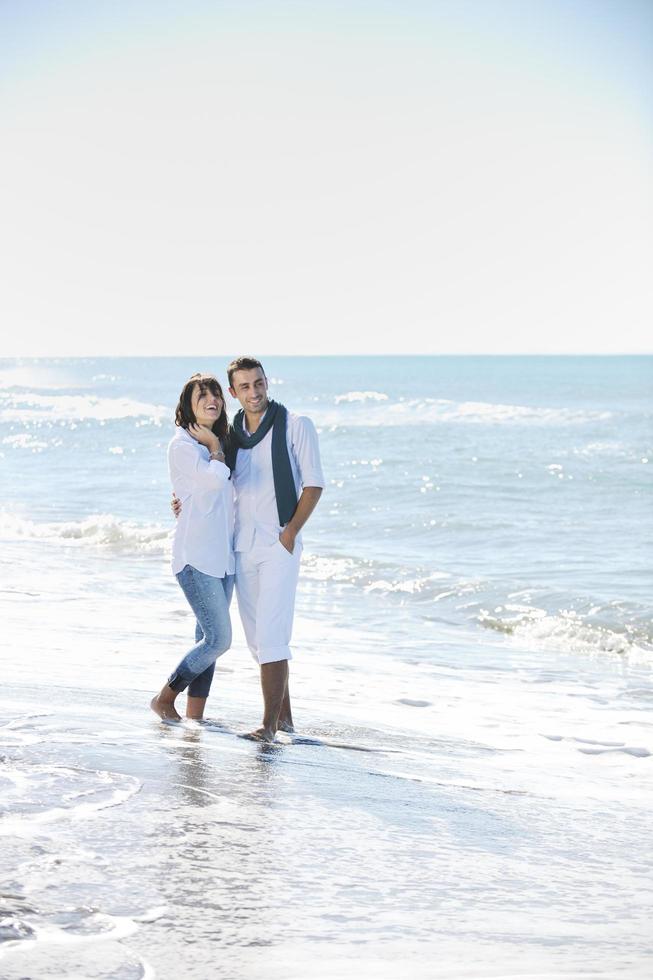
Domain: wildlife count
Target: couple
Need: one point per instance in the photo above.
(242, 494)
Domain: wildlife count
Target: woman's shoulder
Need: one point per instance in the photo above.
(181, 442)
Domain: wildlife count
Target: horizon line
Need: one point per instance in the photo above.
(36, 357)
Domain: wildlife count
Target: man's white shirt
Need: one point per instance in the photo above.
(257, 518)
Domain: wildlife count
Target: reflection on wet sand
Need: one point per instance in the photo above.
(301, 847)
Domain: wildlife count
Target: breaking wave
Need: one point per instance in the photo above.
(570, 630)
(98, 530)
(558, 622)
(373, 409)
(31, 407)
(608, 627)
(362, 396)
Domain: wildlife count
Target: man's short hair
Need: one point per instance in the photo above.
(242, 364)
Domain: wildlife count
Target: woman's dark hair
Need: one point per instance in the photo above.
(184, 414)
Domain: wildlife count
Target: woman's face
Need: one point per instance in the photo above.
(207, 406)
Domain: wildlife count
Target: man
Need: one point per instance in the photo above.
(278, 481)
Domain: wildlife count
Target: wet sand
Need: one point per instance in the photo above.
(425, 846)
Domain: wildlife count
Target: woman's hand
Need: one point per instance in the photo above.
(206, 437)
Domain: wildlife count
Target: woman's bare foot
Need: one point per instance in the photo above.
(164, 709)
(286, 726)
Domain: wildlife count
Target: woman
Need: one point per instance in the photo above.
(202, 553)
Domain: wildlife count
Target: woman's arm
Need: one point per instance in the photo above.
(197, 473)
(206, 437)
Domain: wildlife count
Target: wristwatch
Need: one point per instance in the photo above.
(216, 454)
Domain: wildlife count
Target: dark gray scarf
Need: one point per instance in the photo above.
(284, 485)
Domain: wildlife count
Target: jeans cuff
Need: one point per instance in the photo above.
(177, 682)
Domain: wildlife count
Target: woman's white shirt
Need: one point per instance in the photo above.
(204, 533)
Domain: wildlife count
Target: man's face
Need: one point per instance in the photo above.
(251, 389)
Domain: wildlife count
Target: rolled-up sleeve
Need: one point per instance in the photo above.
(306, 451)
(195, 472)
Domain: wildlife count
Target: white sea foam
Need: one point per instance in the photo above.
(361, 396)
(75, 794)
(542, 628)
(30, 407)
(412, 586)
(439, 410)
(331, 569)
(602, 447)
(98, 530)
(372, 576)
(538, 627)
(93, 927)
(443, 410)
(566, 630)
(24, 440)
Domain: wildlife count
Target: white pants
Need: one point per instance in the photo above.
(266, 582)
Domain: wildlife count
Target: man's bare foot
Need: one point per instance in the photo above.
(260, 735)
(287, 726)
(165, 710)
(195, 708)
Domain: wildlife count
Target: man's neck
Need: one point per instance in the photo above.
(252, 422)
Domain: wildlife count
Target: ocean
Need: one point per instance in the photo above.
(468, 793)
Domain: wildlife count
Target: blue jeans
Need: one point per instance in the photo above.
(209, 598)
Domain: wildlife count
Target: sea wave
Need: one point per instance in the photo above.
(558, 621)
(570, 630)
(373, 409)
(361, 396)
(26, 440)
(98, 530)
(31, 406)
(608, 627)
(371, 576)
(442, 410)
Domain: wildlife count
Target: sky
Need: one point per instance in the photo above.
(453, 176)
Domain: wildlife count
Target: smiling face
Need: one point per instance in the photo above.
(250, 387)
(202, 401)
(206, 403)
